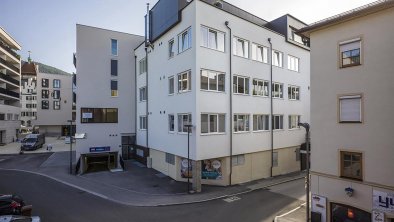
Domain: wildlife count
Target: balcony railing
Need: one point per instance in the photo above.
(9, 79)
(9, 93)
(6, 48)
(9, 65)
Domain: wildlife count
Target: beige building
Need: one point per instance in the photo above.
(10, 76)
(352, 108)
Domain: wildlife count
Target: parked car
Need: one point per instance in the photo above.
(18, 218)
(11, 204)
(33, 142)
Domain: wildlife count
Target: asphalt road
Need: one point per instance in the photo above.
(54, 201)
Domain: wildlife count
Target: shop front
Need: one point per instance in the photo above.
(345, 213)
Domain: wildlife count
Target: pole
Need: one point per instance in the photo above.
(188, 158)
(71, 147)
(307, 175)
(271, 111)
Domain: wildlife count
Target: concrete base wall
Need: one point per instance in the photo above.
(9, 130)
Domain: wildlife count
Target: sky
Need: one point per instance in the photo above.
(47, 28)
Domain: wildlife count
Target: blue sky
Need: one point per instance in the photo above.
(47, 27)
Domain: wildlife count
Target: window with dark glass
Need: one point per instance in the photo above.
(44, 94)
(114, 67)
(45, 83)
(114, 47)
(350, 53)
(44, 104)
(56, 94)
(351, 165)
(211, 80)
(99, 115)
(114, 88)
(56, 83)
(278, 122)
(241, 85)
(56, 105)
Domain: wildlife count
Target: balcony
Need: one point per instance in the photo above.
(9, 79)
(9, 93)
(6, 48)
(10, 65)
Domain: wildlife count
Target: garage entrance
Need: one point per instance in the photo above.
(96, 162)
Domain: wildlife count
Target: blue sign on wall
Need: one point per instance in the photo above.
(99, 149)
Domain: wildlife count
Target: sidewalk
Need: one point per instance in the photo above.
(58, 145)
(140, 186)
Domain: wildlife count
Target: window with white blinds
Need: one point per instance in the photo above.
(350, 109)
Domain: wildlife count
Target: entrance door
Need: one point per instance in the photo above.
(128, 151)
(100, 162)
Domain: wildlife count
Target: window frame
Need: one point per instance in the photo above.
(208, 32)
(340, 52)
(181, 123)
(117, 47)
(297, 67)
(171, 50)
(280, 59)
(45, 95)
(45, 80)
(219, 121)
(351, 96)
(342, 153)
(114, 92)
(275, 159)
(171, 80)
(143, 97)
(56, 86)
(142, 65)
(56, 94)
(181, 81)
(56, 107)
(281, 120)
(217, 74)
(264, 57)
(281, 92)
(246, 85)
(143, 123)
(169, 123)
(246, 50)
(86, 109)
(114, 67)
(266, 117)
(46, 107)
(290, 95)
(266, 83)
(290, 119)
(246, 125)
(181, 42)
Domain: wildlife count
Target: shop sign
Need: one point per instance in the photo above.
(383, 201)
(319, 205)
(377, 216)
(211, 169)
(186, 171)
(99, 149)
(87, 115)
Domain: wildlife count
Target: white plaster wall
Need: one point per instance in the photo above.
(93, 85)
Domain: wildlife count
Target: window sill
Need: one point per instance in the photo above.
(281, 67)
(279, 130)
(247, 58)
(278, 98)
(261, 131)
(184, 133)
(212, 134)
(171, 94)
(142, 129)
(260, 61)
(142, 101)
(351, 178)
(241, 132)
(347, 66)
(295, 129)
(293, 70)
(184, 50)
(185, 91)
(346, 122)
(205, 47)
(213, 91)
(171, 132)
(241, 94)
(259, 96)
(294, 100)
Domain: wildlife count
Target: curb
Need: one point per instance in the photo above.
(152, 205)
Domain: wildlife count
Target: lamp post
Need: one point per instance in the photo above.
(188, 156)
(307, 127)
(71, 145)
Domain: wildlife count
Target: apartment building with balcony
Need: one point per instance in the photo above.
(10, 77)
(28, 114)
(352, 79)
(214, 73)
(105, 75)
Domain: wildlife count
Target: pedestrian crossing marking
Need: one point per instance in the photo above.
(232, 199)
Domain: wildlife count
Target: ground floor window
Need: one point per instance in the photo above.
(341, 212)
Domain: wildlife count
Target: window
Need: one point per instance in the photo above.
(351, 165)
(294, 92)
(171, 122)
(293, 63)
(45, 94)
(211, 80)
(56, 83)
(350, 53)
(211, 38)
(99, 115)
(171, 86)
(278, 122)
(143, 94)
(9, 116)
(184, 83)
(45, 83)
(260, 87)
(259, 53)
(56, 105)
(2, 116)
(261, 122)
(114, 88)
(277, 58)
(171, 48)
(114, 67)
(183, 120)
(170, 158)
(241, 47)
(185, 40)
(297, 38)
(293, 121)
(44, 104)
(143, 123)
(213, 123)
(241, 123)
(56, 94)
(238, 160)
(114, 47)
(275, 159)
(143, 65)
(350, 109)
(241, 85)
(277, 90)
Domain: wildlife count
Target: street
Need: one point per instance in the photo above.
(54, 201)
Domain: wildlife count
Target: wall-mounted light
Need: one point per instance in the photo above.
(349, 191)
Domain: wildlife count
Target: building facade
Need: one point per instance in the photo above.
(213, 73)
(10, 77)
(105, 116)
(351, 114)
(54, 102)
(28, 95)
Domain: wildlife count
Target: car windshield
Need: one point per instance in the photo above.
(29, 140)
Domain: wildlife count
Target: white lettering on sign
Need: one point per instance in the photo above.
(87, 115)
(383, 201)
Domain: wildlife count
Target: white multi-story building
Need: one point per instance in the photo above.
(10, 76)
(28, 94)
(214, 72)
(105, 116)
(352, 78)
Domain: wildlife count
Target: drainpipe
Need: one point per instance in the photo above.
(146, 72)
(231, 103)
(135, 105)
(272, 111)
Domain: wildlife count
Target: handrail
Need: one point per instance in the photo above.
(9, 79)
(9, 65)
(7, 48)
(9, 93)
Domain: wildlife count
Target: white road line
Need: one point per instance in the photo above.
(291, 211)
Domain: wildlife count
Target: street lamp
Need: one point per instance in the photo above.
(188, 156)
(71, 145)
(307, 127)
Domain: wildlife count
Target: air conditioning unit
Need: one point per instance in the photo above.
(149, 162)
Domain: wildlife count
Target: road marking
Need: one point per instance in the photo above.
(2, 160)
(291, 211)
(232, 199)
